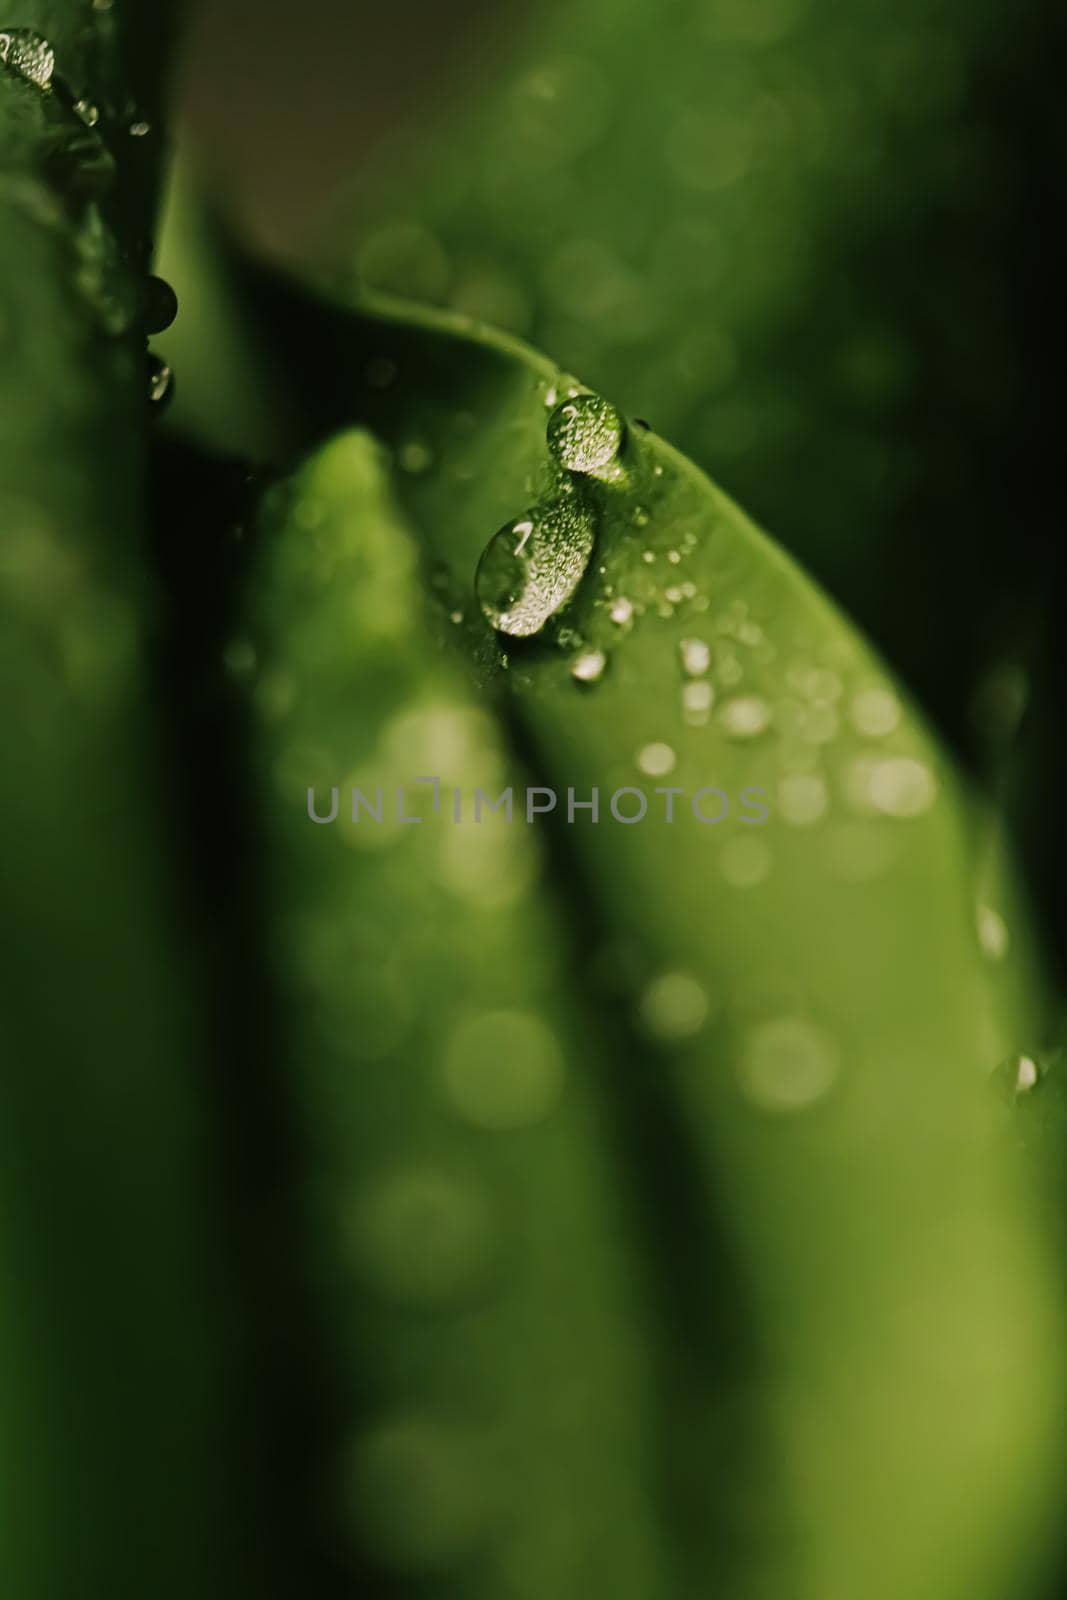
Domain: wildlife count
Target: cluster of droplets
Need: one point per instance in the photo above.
(531, 569)
(160, 307)
(30, 56)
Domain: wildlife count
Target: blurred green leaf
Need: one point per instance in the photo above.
(778, 1037)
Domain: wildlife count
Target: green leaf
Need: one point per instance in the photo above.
(769, 227)
(829, 1316)
(110, 1317)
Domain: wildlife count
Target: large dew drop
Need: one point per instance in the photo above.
(531, 568)
(585, 434)
(28, 54)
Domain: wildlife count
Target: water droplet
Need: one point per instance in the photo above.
(745, 717)
(802, 798)
(674, 1006)
(901, 788)
(160, 305)
(504, 1070)
(88, 113)
(993, 936)
(140, 129)
(696, 657)
(160, 383)
(745, 862)
(875, 713)
(787, 1064)
(657, 760)
(1018, 1077)
(585, 434)
(420, 1492)
(29, 54)
(415, 457)
(531, 568)
(590, 666)
(823, 686)
(491, 865)
(622, 611)
(424, 1237)
(820, 724)
(697, 701)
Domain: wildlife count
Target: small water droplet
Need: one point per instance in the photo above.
(419, 1492)
(423, 1236)
(160, 305)
(29, 54)
(160, 383)
(820, 724)
(415, 457)
(622, 611)
(823, 686)
(696, 657)
(504, 1070)
(802, 798)
(140, 129)
(531, 568)
(589, 667)
(674, 1006)
(1018, 1077)
(697, 701)
(875, 713)
(745, 862)
(745, 717)
(993, 936)
(657, 760)
(585, 434)
(88, 113)
(902, 787)
(787, 1064)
